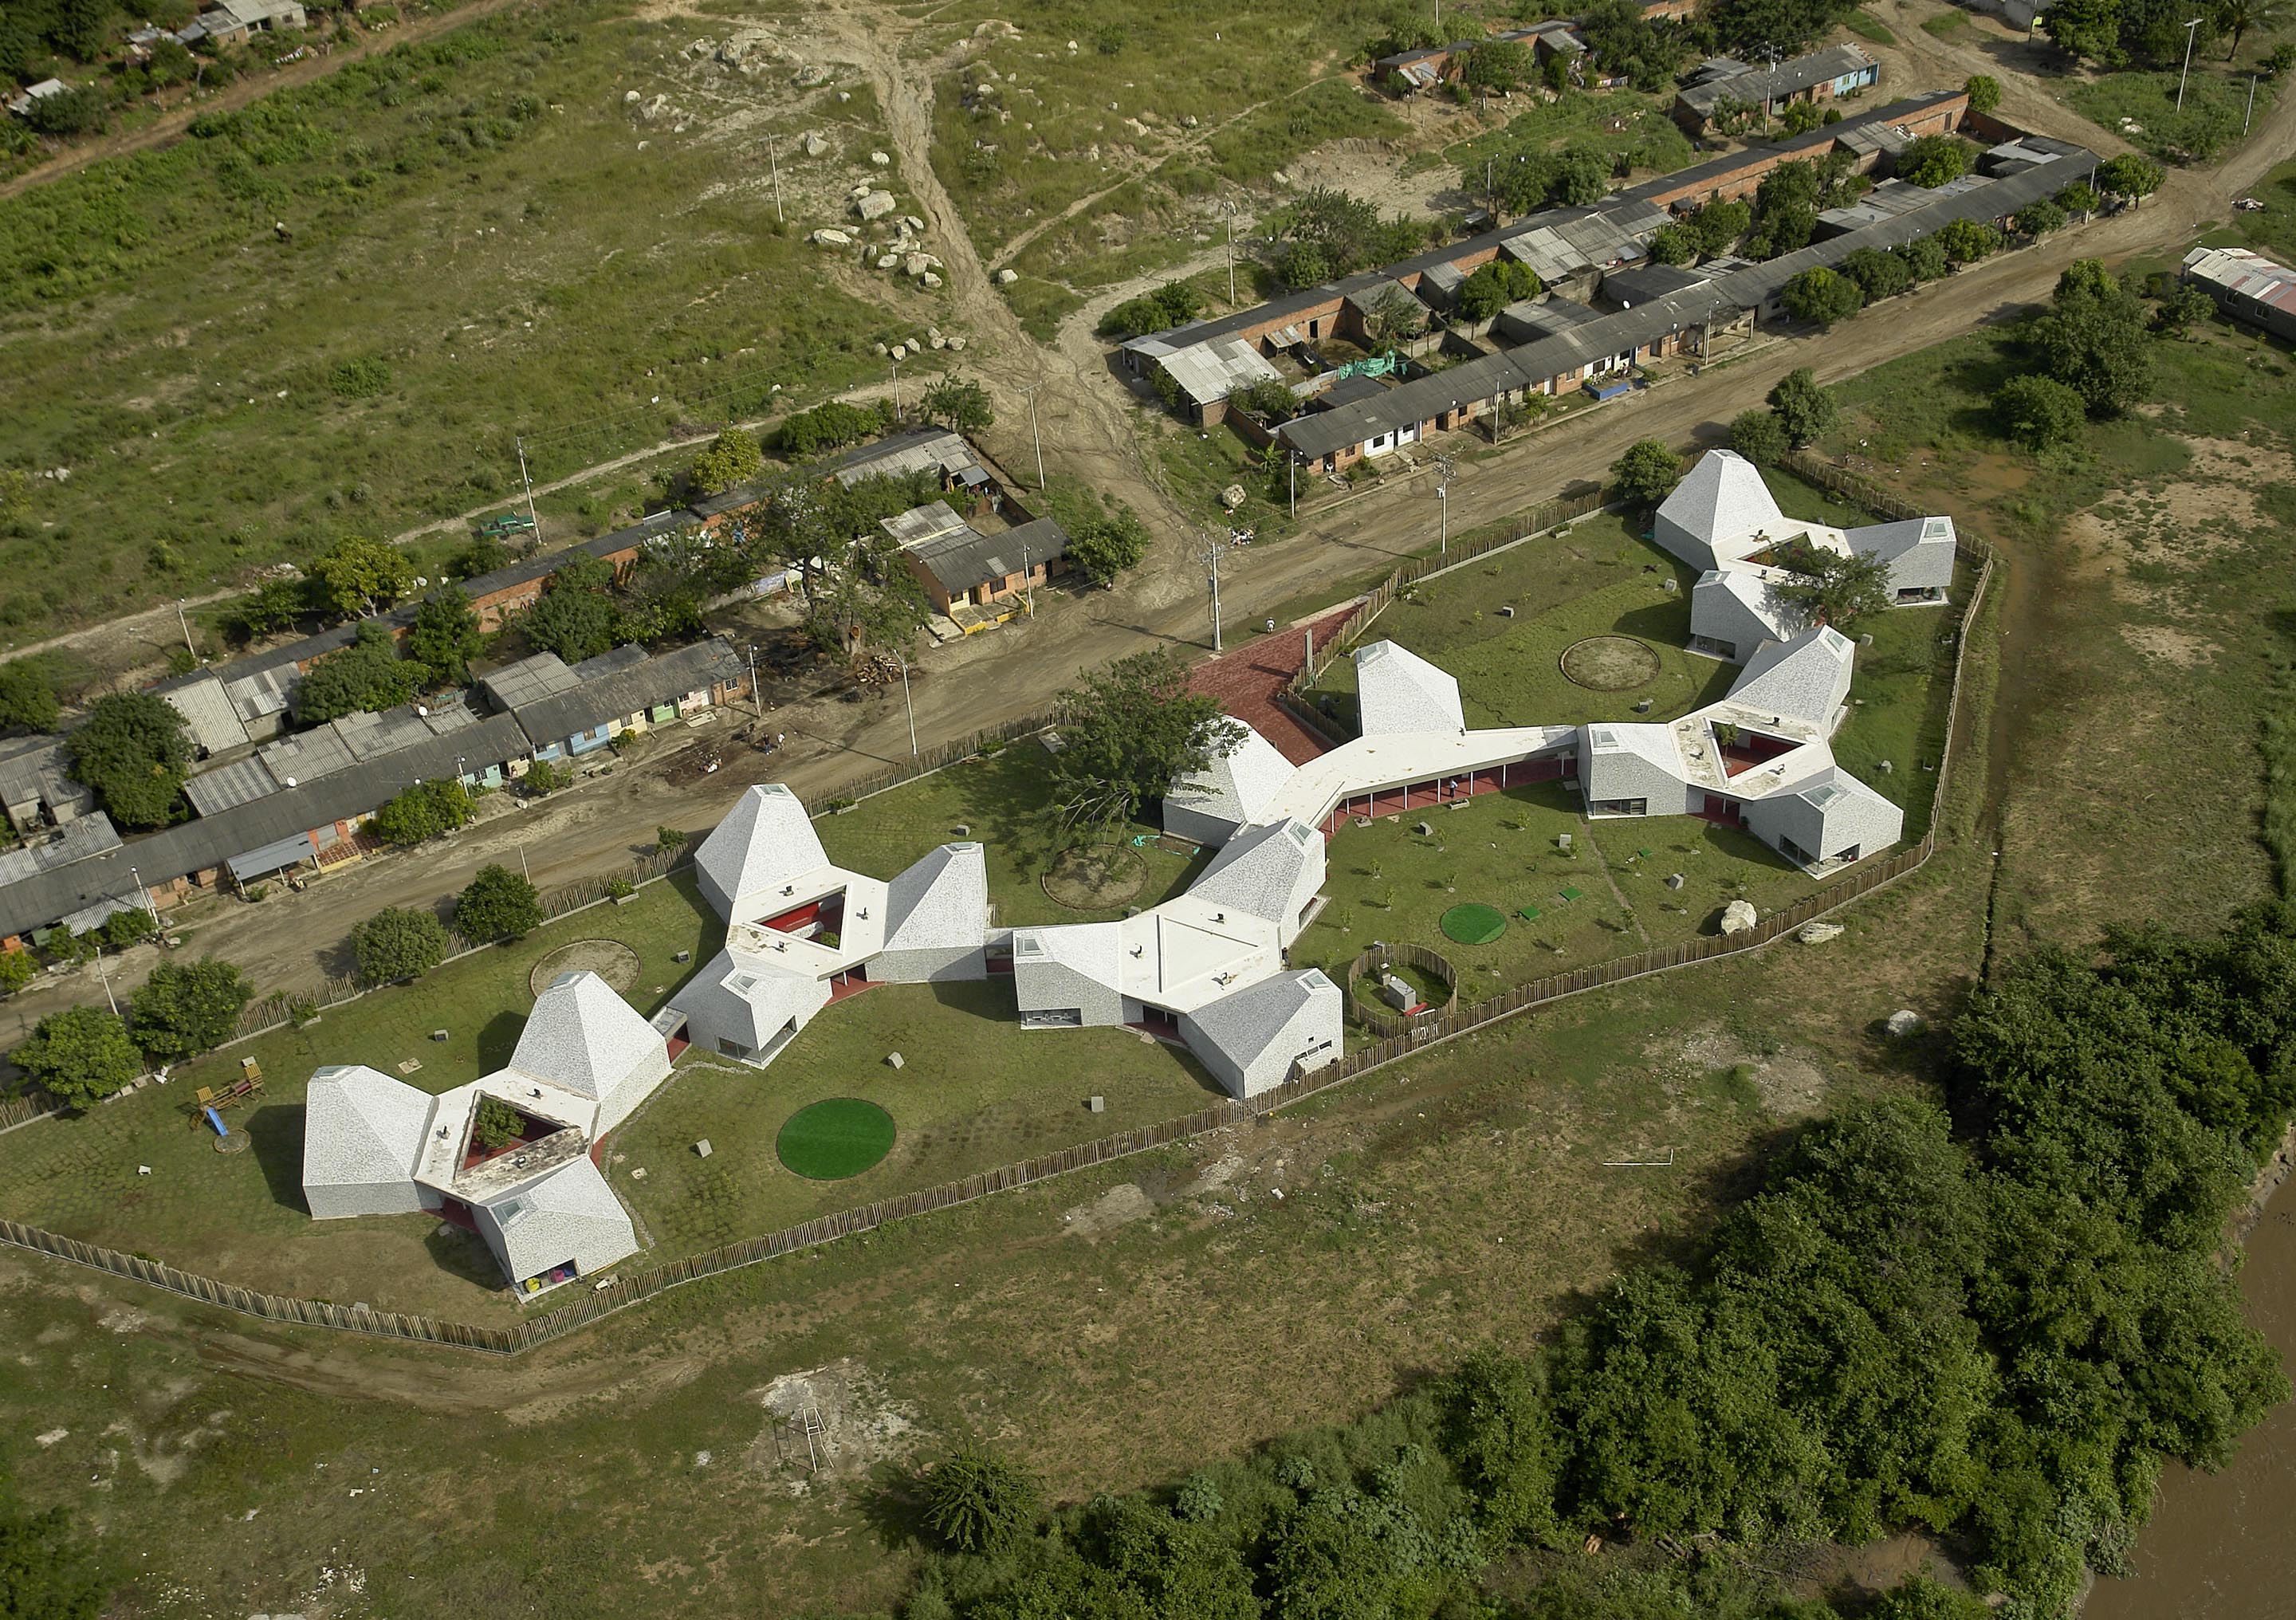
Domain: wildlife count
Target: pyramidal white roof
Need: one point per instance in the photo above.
(1257, 872)
(943, 900)
(765, 839)
(584, 1038)
(1807, 677)
(1723, 495)
(1397, 691)
(1237, 785)
(1244, 1024)
(361, 1128)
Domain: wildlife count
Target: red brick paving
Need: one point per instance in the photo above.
(1248, 679)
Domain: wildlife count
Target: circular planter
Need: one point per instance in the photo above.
(1610, 663)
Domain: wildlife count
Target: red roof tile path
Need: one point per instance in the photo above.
(1248, 679)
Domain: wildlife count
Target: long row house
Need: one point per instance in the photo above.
(1606, 309)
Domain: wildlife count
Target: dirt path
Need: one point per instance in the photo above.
(172, 123)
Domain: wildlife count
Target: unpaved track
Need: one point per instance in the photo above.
(1093, 429)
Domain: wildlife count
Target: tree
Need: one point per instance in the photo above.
(79, 1055)
(732, 458)
(79, 111)
(2131, 175)
(1647, 472)
(1841, 590)
(1492, 287)
(1806, 410)
(1758, 435)
(1129, 731)
(1800, 117)
(1878, 274)
(2093, 339)
(1499, 64)
(445, 636)
(1394, 317)
(187, 1007)
(1105, 545)
(28, 696)
(272, 606)
(1721, 225)
(1582, 175)
(2237, 17)
(1984, 92)
(1967, 241)
(17, 970)
(1931, 161)
(480, 554)
(2079, 198)
(1676, 244)
(1173, 304)
(367, 676)
(543, 778)
(46, 1572)
(574, 616)
(357, 576)
(855, 588)
(976, 1500)
(1925, 256)
(2182, 304)
(2280, 61)
(1500, 1431)
(832, 424)
(2039, 412)
(397, 944)
(2089, 29)
(498, 904)
(2038, 220)
(131, 752)
(427, 810)
(962, 407)
(1822, 297)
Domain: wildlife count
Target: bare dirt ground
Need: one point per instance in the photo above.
(1093, 427)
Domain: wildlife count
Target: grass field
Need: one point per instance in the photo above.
(2160, 538)
(2209, 122)
(331, 312)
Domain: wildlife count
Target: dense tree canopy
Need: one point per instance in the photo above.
(1127, 732)
(357, 576)
(732, 457)
(132, 752)
(1822, 296)
(854, 587)
(367, 676)
(1647, 472)
(445, 636)
(1173, 304)
(80, 1055)
(28, 696)
(1806, 410)
(2094, 340)
(397, 944)
(1492, 287)
(497, 904)
(47, 1572)
(2038, 411)
(184, 1009)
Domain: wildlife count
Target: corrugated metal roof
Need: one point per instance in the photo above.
(210, 717)
(1757, 85)
(963, 559)
(236, 783)
(2250, 274)
(625, 691)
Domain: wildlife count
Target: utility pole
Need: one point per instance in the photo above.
(2189, 29)
(528, 482)
(757, 697)
(522, 869)
(2249, 115)
(910, 702)
(1490, 191)
(186, 625)
(1228, 209)
(1033, 433)
(897, 390)
(1212, 550)
(149, 904)
(1443, 494)
(773, 159)
(1027, 585)
(1292, 463)
(106, 977)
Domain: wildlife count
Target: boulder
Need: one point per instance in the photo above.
(882, 351)
(861, 191)
(874, 205)
(1905, 1023)
(1738, 917)
(877, 160)
(1233, 496)
(929, 281)
(888, 261)
(1005, 278)
(631, 98)
(916, 264)
(900, 351)
(957, 344)
(1819, 933)
(829, 237)
(815, 146)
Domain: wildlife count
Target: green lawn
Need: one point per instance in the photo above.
(2273, 231)
(1597, 579)
(1388, 882)
(242, 1217)
(478, 237)
(1867, 26)
(1002, 800)
(975, 1091)
(1611, 121)
(834, 1138)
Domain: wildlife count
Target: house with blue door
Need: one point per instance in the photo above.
(567, 711)
(1724, 85)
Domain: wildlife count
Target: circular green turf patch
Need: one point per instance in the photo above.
(834, 1138)
(1473, 924)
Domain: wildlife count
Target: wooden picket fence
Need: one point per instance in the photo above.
(1384, 1021)
(618, 1293)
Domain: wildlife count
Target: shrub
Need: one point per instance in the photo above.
(495, 1124)
(397, 943)
(498, 904)
(1758, 435)
(185, 1009)
(1822, 297)
(362, 379)
(1984, 92)
(976, 1500)
(79, 1055)
(2039, 412)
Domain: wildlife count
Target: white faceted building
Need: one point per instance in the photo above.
(1233, 790)
(362, 1134)
(1397, 691)
(1258, 1037)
